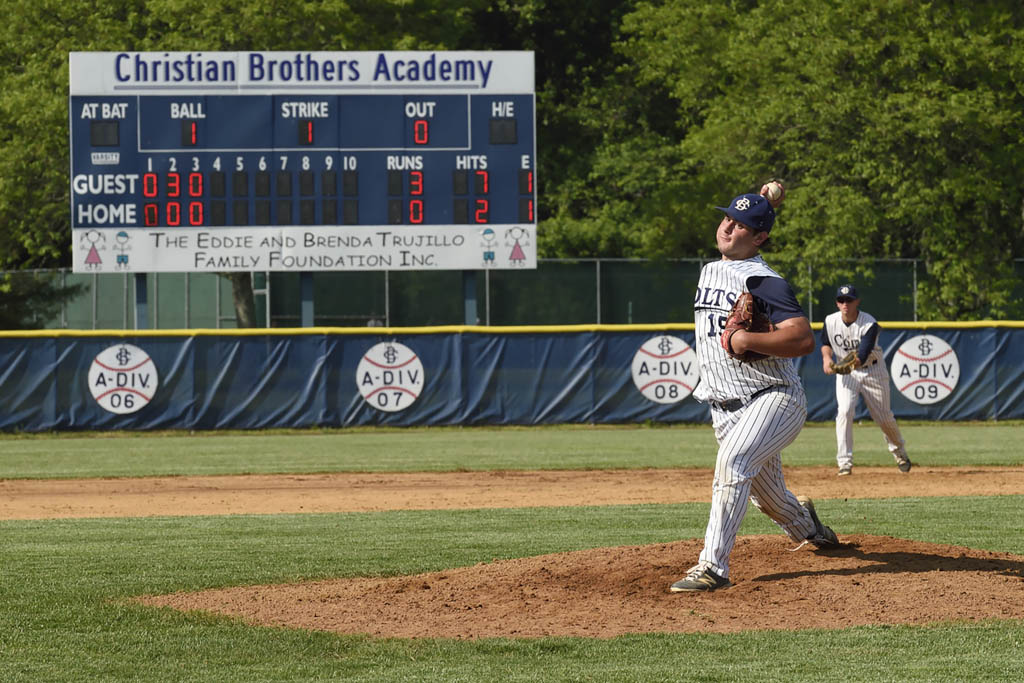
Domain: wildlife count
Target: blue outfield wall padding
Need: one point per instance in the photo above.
(459, 376)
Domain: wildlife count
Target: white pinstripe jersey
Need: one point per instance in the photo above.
(845, 338)
(724, 378)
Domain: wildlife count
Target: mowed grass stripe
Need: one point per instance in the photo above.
(476, 448)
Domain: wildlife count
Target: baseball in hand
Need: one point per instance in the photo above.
(774, 192)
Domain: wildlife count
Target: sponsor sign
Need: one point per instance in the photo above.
(123, 379)
(665, 369)
(390, 376)
(925, 369)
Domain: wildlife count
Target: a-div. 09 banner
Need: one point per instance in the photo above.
(214, 162)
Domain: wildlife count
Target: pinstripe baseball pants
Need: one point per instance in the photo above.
(872, 383)
(749, 465)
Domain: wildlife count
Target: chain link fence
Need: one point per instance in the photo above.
(558, 292)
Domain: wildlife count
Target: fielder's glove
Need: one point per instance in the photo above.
(848, 364)
(745, 315)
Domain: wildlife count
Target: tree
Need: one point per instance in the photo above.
(34, 190)
(897, 126)
(28, 300)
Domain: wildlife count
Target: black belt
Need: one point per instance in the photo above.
(734, 404)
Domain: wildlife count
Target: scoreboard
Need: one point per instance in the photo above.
(304, 161)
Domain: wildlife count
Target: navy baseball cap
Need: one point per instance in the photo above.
(752, 210)
(846, 292)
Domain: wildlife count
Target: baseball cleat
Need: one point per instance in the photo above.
(902, 461)
(699, 579)
(823, 537)
(845, 470)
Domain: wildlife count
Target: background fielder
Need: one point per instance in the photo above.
(757, 407)
(850, 329)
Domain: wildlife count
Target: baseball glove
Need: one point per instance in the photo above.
(745, 315)
(848, 364)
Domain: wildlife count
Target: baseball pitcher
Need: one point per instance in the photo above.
(748, 327)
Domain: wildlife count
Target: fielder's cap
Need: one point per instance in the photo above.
(846, 292)
(752, 210)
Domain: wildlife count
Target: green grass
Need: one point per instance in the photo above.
(65, 616)
(64, 584)
(477, 448)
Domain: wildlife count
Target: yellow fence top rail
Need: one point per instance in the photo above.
(454, 329)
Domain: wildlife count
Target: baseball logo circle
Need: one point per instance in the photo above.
(123, 379)
(925, 369)
(665, 369)
(390, 376)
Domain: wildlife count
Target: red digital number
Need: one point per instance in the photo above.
(415, 182)
(151, 214)
(173, 185)
(192, 133)
(195, 213)
(416, 211)
(173, 213)
(149, 185)
(195, 184)
(420, 131)
(483, 182)
(480, 214)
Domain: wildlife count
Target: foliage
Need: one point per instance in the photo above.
(34, 197)
(899, 128)
(28, 300)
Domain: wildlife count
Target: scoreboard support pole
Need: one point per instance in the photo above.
(306, 296)
(141, 305)
(469, 296)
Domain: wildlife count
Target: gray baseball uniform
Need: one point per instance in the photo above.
(757, 409)
(871, 381)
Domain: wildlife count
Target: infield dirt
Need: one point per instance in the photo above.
(603, 592)
(363, 492)
(608, 592)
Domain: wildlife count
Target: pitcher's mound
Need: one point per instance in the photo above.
(608, 592)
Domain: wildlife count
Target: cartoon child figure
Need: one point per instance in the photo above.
(516, 238)
(123, 247)
(95, 241)
(489, 240)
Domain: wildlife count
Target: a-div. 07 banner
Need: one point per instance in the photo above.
(304, 161)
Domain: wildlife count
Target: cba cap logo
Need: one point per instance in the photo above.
(743, 204)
